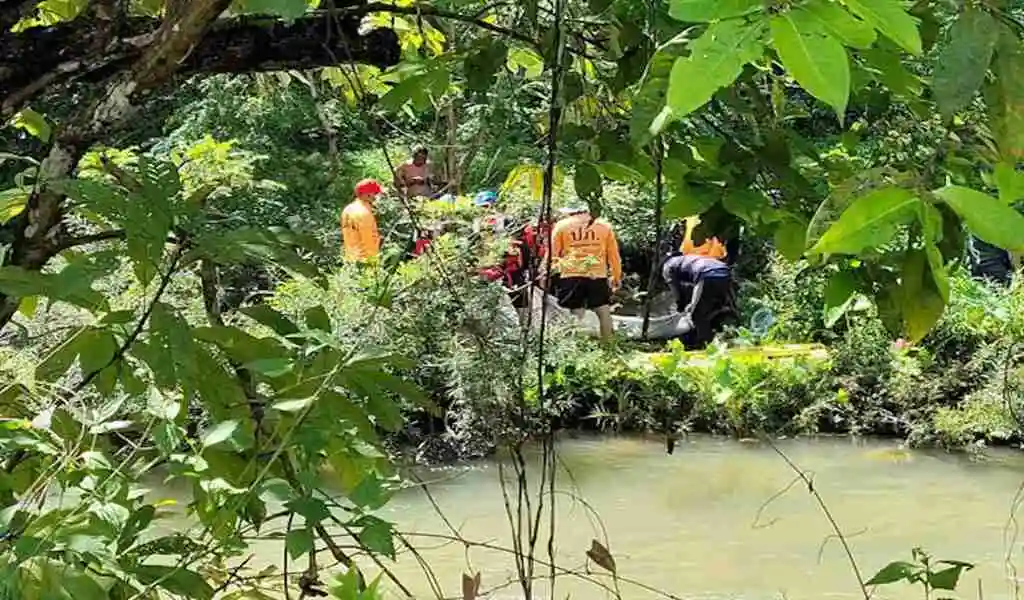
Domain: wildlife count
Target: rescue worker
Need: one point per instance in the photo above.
(515, 270)
(710, 247)
(543, 231)
(989, 262)
(585, 254)
(359, 233)
(703, 289)
(414, 178)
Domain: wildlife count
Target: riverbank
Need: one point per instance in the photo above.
(954, 388)
(744, 391)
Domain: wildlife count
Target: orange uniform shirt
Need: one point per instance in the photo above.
(585, 247)
(359, 232)
(712, 247)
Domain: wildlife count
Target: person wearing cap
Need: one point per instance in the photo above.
(585, 255)
(414, 178)
(491, 219)
(359, 233)
(514, 271)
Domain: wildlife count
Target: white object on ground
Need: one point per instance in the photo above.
(663, 327)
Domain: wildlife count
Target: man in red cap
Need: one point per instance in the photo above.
(359, 232)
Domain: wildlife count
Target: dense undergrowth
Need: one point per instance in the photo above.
(952, 389)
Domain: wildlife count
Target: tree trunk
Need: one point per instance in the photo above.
(96, 49)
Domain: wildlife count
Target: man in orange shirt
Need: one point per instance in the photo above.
(359, 232)
(585, 254)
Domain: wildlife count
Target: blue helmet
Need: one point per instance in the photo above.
(485, 198)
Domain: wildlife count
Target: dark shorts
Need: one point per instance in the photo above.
(574, 293)
(716, 307)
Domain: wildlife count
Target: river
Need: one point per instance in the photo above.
(710, 521)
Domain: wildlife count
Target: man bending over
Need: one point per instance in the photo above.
(703, 289)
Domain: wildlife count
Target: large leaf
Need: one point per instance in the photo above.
(22, 283)
(852, 31)
(870, 221)
(791, 239)
(948, 578)
(813, 57)
(934, 228)
(144, 212)
(839, 295)
(1005, 96)
(921, 303)
(219, 433)
(715, 61)
(687, 200)
(377, 536)
(1010, 182)
(587, 181)
(893, 572)
(175, 580)
(889, 17)
(264, 315)
(33, 123)
(298, 542)
(12, 202)
(703, 11)
(961, 66)
(529, 61)
(839, 200)
(482, 65)
(98, 348)
(987, 217)
(890, 71)
(649, 101)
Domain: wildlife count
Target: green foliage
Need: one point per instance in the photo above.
(716, 59)
(869, 221)
(924, 570)
(961, 66)
(991, 219)
(130, 376)
(889, 17)
(838, 159)
(815, 58)
(697, 11)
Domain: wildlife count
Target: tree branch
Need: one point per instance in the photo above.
(40, 227)
(140, 326)
(42, 58)
(431, 11)
(81, 240)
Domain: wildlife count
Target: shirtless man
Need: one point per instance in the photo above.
(413, 178)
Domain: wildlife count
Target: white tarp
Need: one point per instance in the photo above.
(663, 327)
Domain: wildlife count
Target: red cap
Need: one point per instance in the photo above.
(368, 187)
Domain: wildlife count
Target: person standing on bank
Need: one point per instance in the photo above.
(585, 256)
(703, 289)
(414, 178)
(359, 234)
